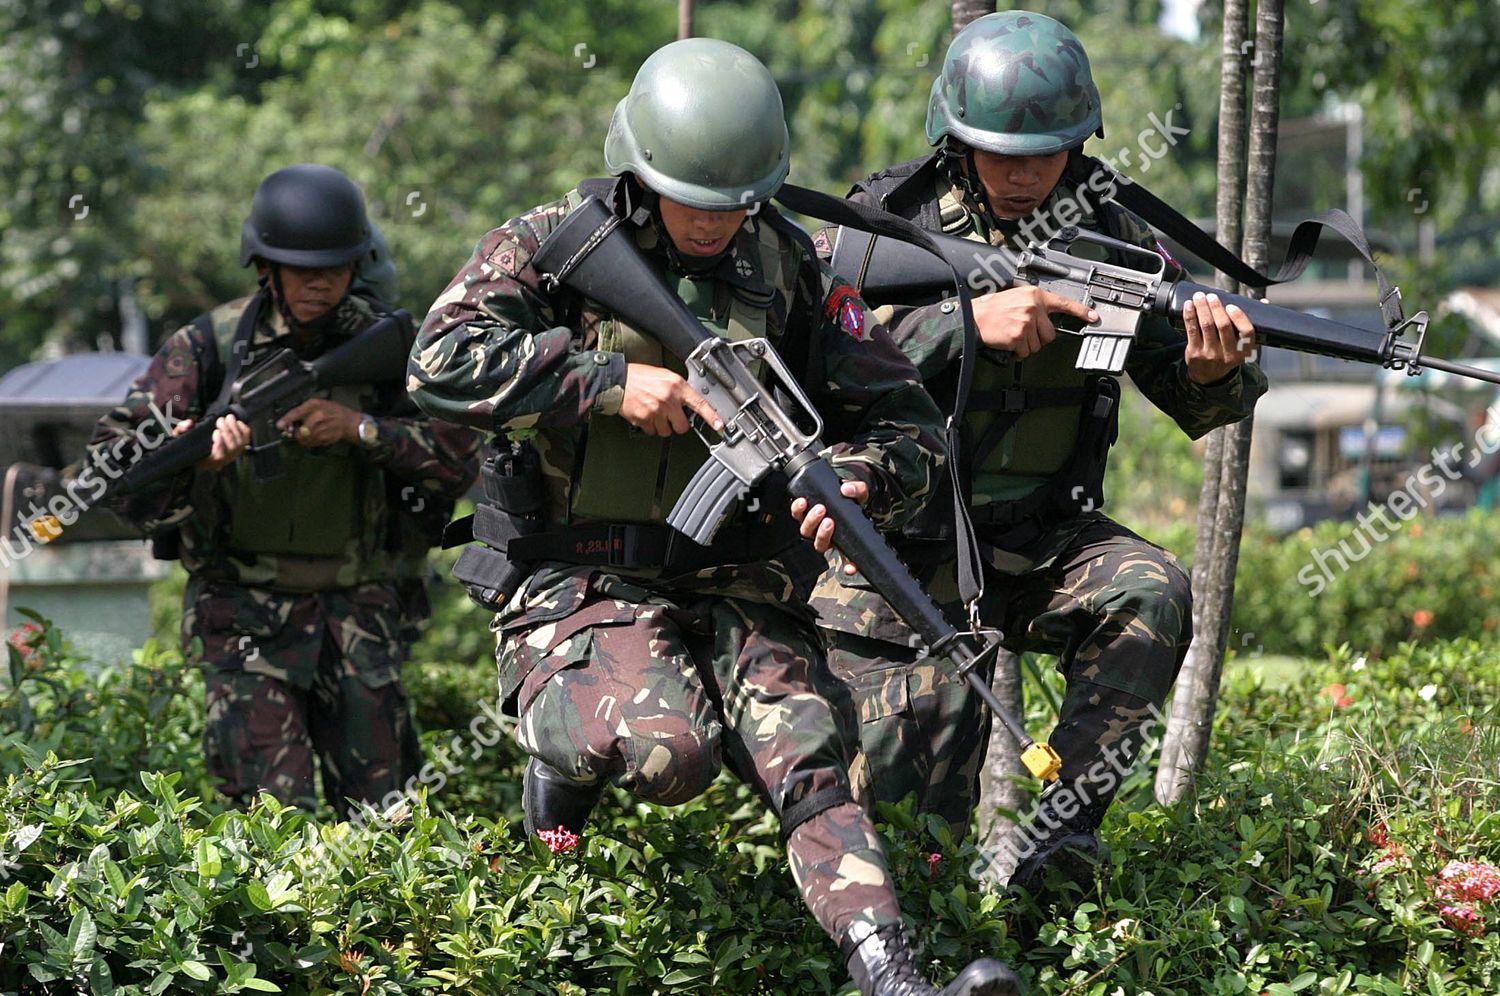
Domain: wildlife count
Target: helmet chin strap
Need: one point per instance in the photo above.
(964, 174)
(299, 329)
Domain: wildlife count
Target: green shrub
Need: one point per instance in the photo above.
(1434, 579)
(1266, 882)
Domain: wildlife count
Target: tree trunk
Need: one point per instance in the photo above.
(965, 11)
(1222, 502)
(999, 786)
(684, 19)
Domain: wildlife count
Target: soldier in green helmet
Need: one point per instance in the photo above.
(630, 654)
(1013, 105)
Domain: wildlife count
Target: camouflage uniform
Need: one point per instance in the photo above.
(1114, 609)
(654, 677)
(291, 583)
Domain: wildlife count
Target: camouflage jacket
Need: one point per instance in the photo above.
(499, 350)
(932, 334)
(412, 457)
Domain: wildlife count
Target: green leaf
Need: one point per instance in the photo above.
(17, 666)
(81, 935)
(209, 862)
(100, 979)
(261, 985)
(197, 970)
(258, 896)
(15, 897)
(116, 878)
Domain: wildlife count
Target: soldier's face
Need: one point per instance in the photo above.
(312, 292)
(1017, 185)
(699, 233)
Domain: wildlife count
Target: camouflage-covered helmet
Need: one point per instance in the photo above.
(306, 215)
(1015, 83)
(703, 125)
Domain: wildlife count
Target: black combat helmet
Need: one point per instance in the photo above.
(306, 215)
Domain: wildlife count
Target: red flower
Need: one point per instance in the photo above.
(559, 841)
(1463, 919)
(1378, 835)
(27, 638)
(1422, 618)
(1472, 880)
(933, 860)
(1336, 693)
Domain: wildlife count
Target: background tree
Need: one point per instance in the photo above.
(1221, 512)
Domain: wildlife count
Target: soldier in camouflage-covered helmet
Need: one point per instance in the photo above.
(629, 654)
(300, 589)
(1009, 113)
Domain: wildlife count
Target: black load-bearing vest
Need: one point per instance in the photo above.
(615, 513)
(1075, 479)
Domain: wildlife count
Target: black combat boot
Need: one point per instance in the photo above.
(882, 964)
(553, 800)
(1062, 857)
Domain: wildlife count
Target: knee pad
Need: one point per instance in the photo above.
(671, 770)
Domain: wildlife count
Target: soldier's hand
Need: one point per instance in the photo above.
(320, 422)
(231, 437)
(818, 527)
(1017, 319)
(1220, 338)
(659, 401)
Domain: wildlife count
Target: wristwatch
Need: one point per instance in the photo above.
(369, 433)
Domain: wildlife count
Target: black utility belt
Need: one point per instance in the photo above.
(646, 546)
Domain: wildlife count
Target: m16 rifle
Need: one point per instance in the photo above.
(588, 254)
(259, 396)
(888, 270)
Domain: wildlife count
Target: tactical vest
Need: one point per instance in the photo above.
(321, 524)
(1036, 433)
(609, 487)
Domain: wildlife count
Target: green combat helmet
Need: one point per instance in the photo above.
(1017, 84)
(702, 125)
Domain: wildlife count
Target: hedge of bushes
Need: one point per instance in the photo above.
(1313, 859)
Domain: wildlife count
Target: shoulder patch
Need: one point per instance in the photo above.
(179, 358)
(509, 256)
(845, 308)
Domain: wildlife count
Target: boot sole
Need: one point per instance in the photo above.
(996, 980)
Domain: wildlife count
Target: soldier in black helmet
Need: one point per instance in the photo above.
(293, 585)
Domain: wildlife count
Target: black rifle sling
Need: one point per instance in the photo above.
(866, 219)
(1159, 214)
(215, 366)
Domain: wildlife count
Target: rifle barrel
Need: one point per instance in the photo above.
(1461, 369)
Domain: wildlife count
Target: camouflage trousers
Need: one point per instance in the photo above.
(1115, 610)
(298, 681)
(656, 694)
